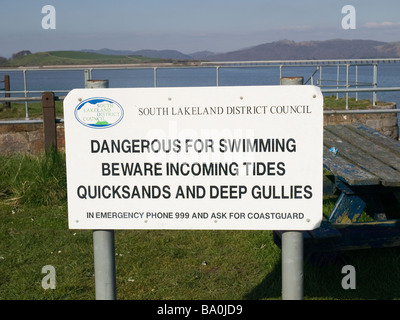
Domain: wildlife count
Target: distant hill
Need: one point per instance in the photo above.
(202, 55)
(281, 50)
(74, 58)
(278, 50)
(158, 54)
(329, 49)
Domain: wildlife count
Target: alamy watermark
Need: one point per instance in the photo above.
(49, 20)
(349, 20)
(349, 281)
(49, 280)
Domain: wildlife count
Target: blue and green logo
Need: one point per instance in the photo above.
(99, 113)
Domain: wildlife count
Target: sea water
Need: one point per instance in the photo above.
(329, 77)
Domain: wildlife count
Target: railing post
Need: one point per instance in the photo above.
(347, 86)
(49, 121)
(357, 81)
(320, 76)
(25, 94)
(155, 77)
(375, 82)
(88, 75)
(337, 80)
(7, 89)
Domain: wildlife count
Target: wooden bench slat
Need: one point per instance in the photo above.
(347, 171)
(377, 137)
(387, 175)
(364, 143)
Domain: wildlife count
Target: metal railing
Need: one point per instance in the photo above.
(315, 78)
(327, 112)
(340, 85)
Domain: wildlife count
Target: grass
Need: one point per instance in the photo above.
(34, 180)
(17, 110)
(332, 103)
(153, 264)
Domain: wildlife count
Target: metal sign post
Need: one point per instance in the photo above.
(292, 247)
(104, 264)
(292, 265)
(103, 244)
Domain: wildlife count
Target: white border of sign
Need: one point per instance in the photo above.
(238, 158)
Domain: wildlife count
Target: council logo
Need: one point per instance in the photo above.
(99, 113)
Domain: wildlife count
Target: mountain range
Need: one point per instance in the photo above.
(280, 50)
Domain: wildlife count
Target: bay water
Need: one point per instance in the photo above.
(61, 81)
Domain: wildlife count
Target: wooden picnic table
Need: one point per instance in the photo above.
(365, 169)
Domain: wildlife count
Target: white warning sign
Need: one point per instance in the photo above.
(194, 158)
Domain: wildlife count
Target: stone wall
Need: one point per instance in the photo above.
(382, 122)
(28, 138)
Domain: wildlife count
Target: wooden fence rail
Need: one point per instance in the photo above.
(49, 121)
(6, 89)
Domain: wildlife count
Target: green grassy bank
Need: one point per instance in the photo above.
(75, 58)
(154, 264)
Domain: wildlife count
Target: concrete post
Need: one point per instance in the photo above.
(96, 84)
(287, 81)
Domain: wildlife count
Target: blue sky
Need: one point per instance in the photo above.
(189, 26)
